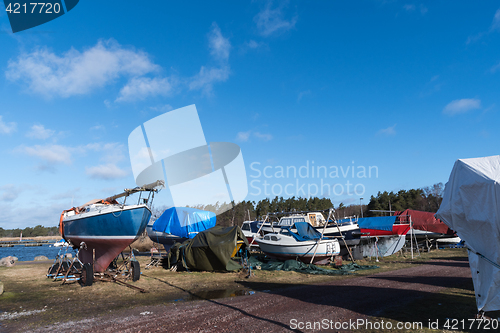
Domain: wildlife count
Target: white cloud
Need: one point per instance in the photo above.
(253, 44)
(389, 131)
(272, 21)
(302, 94)
(19, 217)
(98, 128)
(412, 8)
(495, 25)
(7, 128)
(107, 172)
(40, 132)
(263, 136)
(111, 152)
(495, 68)
(207, 77)
(243, 136)
(218, 44)
(57, 154)
(139, 88)
(162, 108)
(49, 153)
(462, 106)
(10, 192)
(77, 73)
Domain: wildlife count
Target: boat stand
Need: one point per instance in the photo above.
(128, 269)
(66, 269)
(156, 258)
(71, 270)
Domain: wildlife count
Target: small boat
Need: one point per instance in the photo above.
(299, 241)
(60, 243)
(104, 228)
(178, 224)
(251, 231)
(425, 225)
(382, 236)
(346, 229)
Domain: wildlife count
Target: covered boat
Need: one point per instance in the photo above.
(209, 250)
(382, 236)
(471, 207)
(346, 229)
(300, 240)
(425, 224)
(178, 224)
(106, 227)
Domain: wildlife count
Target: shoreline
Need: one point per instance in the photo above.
(10, 239)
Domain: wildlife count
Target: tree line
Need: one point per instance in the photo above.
(251, 210)
(427, 199)
(424, 199)
(30, 232)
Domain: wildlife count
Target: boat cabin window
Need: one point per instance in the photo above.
(301, 219)
(286, 221)
(274, 238)
(266, 237)
(245, 226)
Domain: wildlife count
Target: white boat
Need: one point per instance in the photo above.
(251, 231)
(453, 240)
(60, 243)
(304, 244)
(347, 229)
(381, 246)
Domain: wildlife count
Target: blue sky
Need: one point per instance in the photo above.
(400, 86)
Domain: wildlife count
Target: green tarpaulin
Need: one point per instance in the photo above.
(210, 250)
(298, 266)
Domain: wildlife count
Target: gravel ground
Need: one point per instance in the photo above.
(337, 301)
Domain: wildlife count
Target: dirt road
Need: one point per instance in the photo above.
(292, 309)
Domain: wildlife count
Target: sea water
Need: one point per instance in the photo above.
(28, 253)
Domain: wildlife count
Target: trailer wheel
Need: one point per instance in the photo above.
(87, 276)
(53, 269)
(136, 270)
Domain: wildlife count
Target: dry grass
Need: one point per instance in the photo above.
(27, 288)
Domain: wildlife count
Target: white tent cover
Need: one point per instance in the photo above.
(471, 207)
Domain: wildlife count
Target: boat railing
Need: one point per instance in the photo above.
(150, 188)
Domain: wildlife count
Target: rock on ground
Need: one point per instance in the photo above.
(8, 261)
(41, 258)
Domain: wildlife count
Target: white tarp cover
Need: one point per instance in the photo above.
(471, 207)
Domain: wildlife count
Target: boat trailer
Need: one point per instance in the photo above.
(67, 268)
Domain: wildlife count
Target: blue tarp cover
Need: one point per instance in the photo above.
(184, 222)
(378, 223)
(305, 232)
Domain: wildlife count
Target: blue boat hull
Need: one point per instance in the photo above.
(106, 235)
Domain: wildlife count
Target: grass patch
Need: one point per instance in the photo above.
(27, 288)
